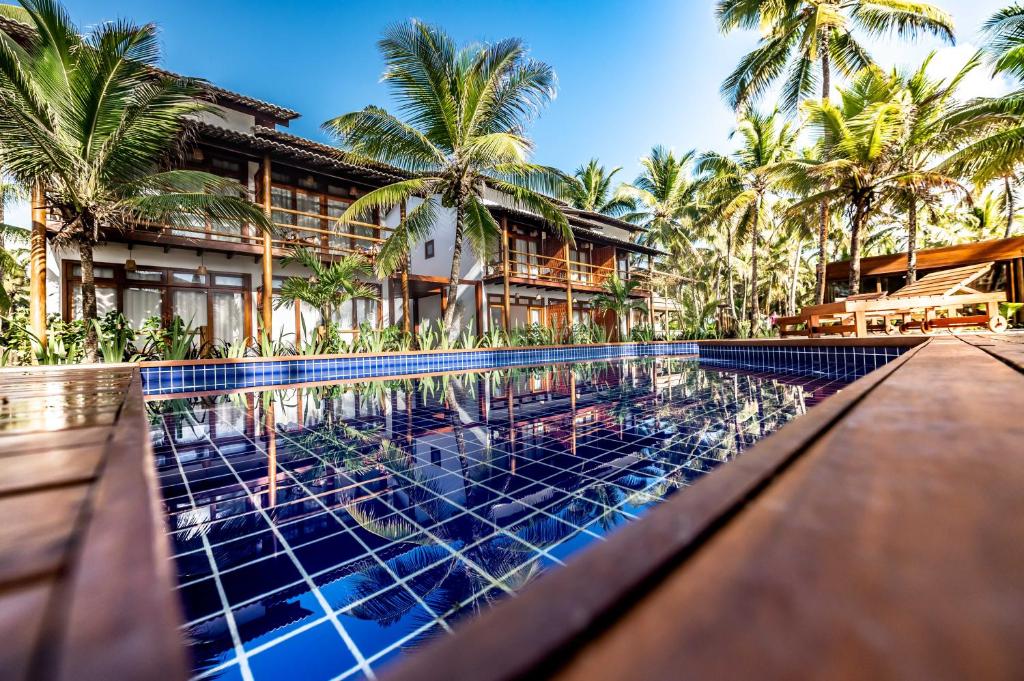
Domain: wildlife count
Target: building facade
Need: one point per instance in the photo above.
(217, 276)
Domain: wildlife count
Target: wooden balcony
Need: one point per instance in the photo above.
(319, 233)
(555, 272)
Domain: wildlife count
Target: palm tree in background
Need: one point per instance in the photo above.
(590, 188)
(993, 127)
(924, 141)
(618, 299)
(664, 198)
(863, 147)
(465, 112)
(92, 120)
(806, 40)
(744, 180)
(329, 286)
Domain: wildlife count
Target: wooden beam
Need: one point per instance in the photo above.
(37, 264)
(506, 312)
(568, 286)
(267, 299)
(479, 308)
(405, 280)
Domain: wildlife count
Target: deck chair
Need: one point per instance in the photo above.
(915, 306)
(918, 305)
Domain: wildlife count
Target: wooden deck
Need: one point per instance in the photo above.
(878, 536)
(84, 578)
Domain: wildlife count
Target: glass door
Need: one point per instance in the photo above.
(191, 307)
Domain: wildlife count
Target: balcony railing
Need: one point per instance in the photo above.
(554, 270)
(327, 238)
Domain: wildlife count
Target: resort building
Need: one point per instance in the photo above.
(217, 276)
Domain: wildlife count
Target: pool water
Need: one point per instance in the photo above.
(323, 532)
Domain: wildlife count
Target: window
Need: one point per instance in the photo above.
(428, 249)
(216, 303)
(365, 312)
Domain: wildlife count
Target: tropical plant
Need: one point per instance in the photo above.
(665, 199)
(328, 287)
(115, 337)
(861, 150)
(993, 127)
(12, 266)
(617, 299)
(90, 118)
(743, 181)
(590, 188)
(465, 114)
(806, 40)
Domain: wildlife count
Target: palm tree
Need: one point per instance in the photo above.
(617, 299)
(807, 38)
(745, 179)
(465, 114)
(994, 126)
(924, 140)
(664, 198)
(863, 147)
(328, 287)
(590, 188)
(92, 120)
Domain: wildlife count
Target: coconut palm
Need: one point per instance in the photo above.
(863, 142)
(924, 140)
(465, 111)
(329, 286)
(590, 188)
(618, 299)
(664, 196)
(744, 180)
(994, 126)
(92, 120)
(806, 39)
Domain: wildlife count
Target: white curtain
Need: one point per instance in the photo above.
(142, 303)
(191, 307)
(106, 300)
(228, 317)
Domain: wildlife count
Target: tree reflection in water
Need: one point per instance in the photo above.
(391, 509)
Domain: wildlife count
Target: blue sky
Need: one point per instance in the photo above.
(631, 75)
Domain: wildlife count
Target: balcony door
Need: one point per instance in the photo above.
(526, 258)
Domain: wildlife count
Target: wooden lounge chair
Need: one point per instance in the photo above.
(916, 306)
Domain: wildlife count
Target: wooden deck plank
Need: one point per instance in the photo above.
(888, 551)
(23, 611)
(38, 529)
(32, 470)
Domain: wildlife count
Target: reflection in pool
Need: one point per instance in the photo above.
(321, 532)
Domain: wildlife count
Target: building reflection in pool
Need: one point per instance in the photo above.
(320, 531)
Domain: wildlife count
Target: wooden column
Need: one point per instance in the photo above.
(650, 290)
(479, 308)
(568, 285)
(506, 311)
(267, 299)
(405, 280)
(444, 300)
(37, 264)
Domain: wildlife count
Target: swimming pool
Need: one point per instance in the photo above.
(323, 531)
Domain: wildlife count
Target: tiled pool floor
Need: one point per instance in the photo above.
(319, 533)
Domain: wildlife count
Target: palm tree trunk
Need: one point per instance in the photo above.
(821, 270)
(729, 273)
(1009, 207)
(794, 278)
(858, 217)
(88, 300)
(912, 241)
(453, 280)
(754, 304)
(826, 94)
